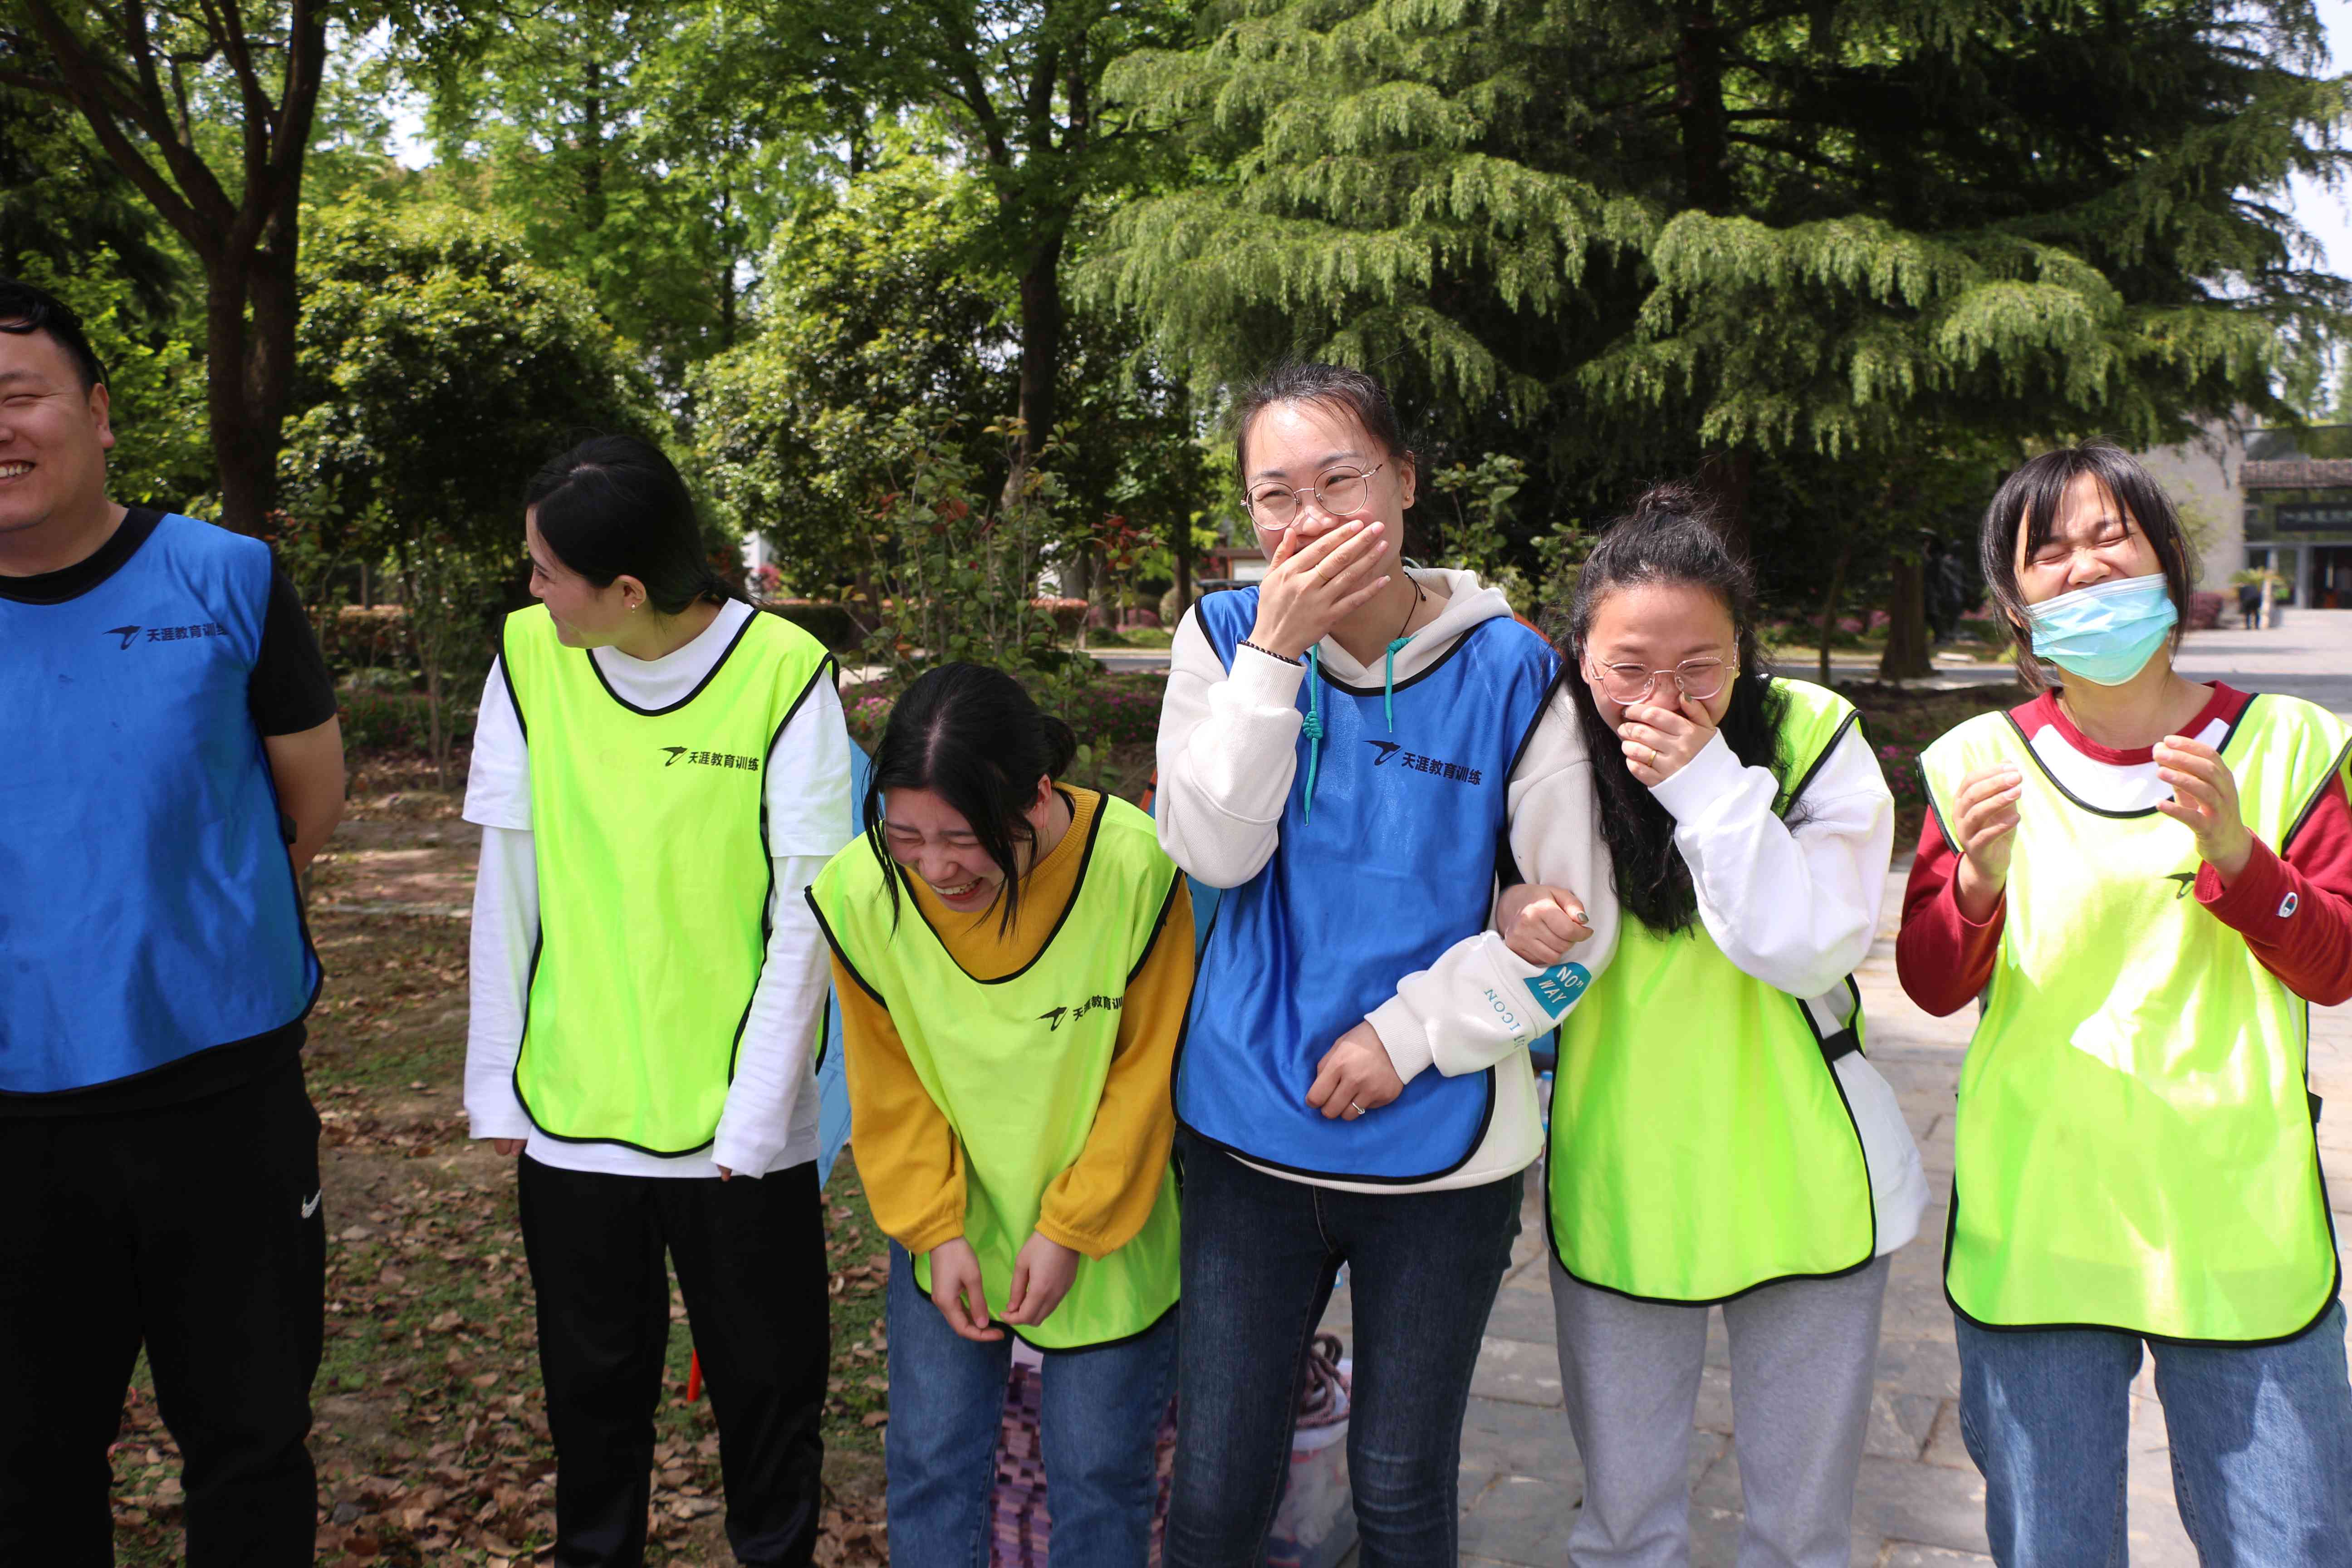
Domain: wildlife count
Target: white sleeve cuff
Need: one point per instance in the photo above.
(485, 1119)
(1706, 780)
(1265, 681)
(1402, 1035)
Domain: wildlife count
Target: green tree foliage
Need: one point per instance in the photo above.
(438, 365)
(873, 311)
(1018, 86)
(62, 201)
(650, 152)
(1617, 238)
(207, 111)
(70, 223)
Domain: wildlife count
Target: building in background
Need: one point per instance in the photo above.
(2296, 511)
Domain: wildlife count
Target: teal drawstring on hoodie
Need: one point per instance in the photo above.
(1313, 728)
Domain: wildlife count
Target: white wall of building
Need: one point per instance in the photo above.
(2201, 477)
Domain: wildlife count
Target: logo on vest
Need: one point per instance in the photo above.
(1415, 761)
(165, 634)
(2187, 879)
(709, 759)
(1056, 1017)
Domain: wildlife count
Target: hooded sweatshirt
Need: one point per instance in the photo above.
(1229, 766)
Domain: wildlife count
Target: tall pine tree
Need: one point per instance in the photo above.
(1622, 237)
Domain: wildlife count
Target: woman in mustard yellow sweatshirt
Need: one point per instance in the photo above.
(1013, 958)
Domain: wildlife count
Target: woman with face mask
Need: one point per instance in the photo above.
(1013, 956)
(1358, 750)
(2142, 881)
(1717, 1136)
(657, 770)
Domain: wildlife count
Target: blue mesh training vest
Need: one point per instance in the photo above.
(1391, 862)
(148, 911)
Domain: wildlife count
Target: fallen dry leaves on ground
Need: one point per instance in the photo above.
(431, 1428)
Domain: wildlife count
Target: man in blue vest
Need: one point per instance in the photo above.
(169, 761)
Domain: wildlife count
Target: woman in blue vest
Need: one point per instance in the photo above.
(1357, 751)
(659, 771)
(1716, 1134)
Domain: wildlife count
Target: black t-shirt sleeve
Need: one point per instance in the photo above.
(289, 690)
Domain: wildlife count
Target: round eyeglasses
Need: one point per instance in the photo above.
(1626, 684)
(1342, 492)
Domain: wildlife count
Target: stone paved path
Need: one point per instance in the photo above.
(1920, 1503)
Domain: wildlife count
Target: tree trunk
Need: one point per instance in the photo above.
(1700, 117)
(1907, 655)
(1726, 475)
(1829, 604)
(1042, 320)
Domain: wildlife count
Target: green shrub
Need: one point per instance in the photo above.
(376, 720)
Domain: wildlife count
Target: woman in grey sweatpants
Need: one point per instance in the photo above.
(1716, 1136)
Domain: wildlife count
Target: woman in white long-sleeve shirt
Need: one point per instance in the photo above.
(658, 772)
(1356, 752)
(1717, 1135)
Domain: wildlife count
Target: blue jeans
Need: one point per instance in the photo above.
(1101, 1416)
(1260, 1256)
(2261, 1444)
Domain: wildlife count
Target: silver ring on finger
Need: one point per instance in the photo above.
(1354, 1107)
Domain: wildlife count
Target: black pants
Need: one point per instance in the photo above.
(197, 1227)
(751, 1261)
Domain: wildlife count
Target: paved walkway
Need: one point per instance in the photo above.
(1920, 1502)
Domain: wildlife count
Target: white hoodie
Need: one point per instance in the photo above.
(1228, 753)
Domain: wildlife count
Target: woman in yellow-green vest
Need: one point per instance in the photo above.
(1716, 1134)
(2142, 880)
(1013, 957)
(658, 772)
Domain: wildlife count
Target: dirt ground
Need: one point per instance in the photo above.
(431, 1431)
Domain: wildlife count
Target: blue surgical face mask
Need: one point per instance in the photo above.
(2107, 633)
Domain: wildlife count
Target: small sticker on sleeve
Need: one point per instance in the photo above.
(2289, 904)
(1557, 988)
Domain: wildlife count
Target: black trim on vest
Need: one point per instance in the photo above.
(1097, 1344)
(1820, 762)
(1846, 1042)
(2334, 1289)
(505, 673)
(2334, 770)
(840, 954)
(1461, 639)
(1507, 874)
(767, 900)
(708, 676)
(2228, 735)
(1927, 793)
(1869, 1254)
(1158, 924)
(1175, 1076)
(1077, 888)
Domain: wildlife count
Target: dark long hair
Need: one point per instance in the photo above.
(974, 737)
(1670, 536)
(614, 505)
(2029, 498)
(1336, 386)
